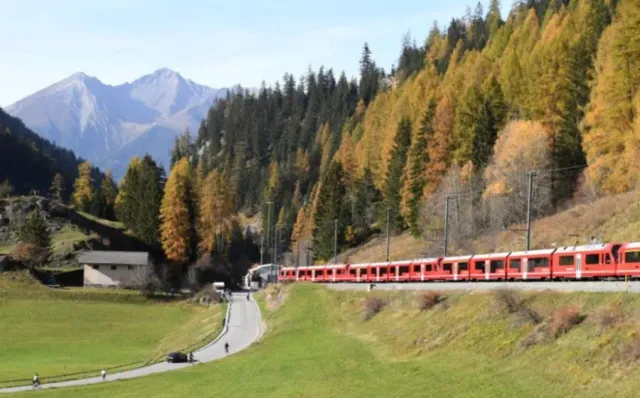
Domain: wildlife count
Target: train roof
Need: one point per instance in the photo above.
(583, 248)
(457, 258)
(426, 260)
(491, 255)
(632, 245)
(532, 252)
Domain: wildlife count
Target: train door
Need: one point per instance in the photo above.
(578, 265)
(524, 267)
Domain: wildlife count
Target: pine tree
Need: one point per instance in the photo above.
(215, 212)
(6, 189)
(176, 214)
(57, 188)
(148, 194)
(83, 188)
(330, 206)
(394, 180)
(109, 192)
(127, 201)
(438, 147)
(35, 233)
(365, 195)
(415, 172)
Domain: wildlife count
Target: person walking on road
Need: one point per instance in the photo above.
(36, 381)
(191, 357)
(104, 374)
(226, 347)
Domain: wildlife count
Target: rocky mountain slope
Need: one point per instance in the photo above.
(109, 124)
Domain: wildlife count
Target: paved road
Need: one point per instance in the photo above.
(244, 326)
(596, 286)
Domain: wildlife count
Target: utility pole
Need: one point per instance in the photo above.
(529, 200)
(261, 248)
(446, 225)
(268, 223)
(388, 230)
(274, 268)
(335, 241)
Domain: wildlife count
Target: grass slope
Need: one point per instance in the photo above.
(60, 332)
(317, 345)
(613, 218)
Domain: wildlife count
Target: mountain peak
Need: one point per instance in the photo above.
(79, 76)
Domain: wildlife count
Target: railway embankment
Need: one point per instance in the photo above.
(580, 342)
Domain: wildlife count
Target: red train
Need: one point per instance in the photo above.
(598, 261)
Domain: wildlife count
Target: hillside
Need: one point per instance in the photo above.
(71, 231)
(473, 110)
(612, 219)
(30, 162)
(318, 345)
(110, 124)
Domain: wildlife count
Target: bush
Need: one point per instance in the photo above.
(564, 320)
(537, 336)
(527, 315)
(507, 301)
(427, 300)
(609, 316)
(371, 306)
(629, 352)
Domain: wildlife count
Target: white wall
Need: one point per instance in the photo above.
(105, 276)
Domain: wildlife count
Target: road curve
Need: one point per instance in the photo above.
(243, 327)
(583, 286)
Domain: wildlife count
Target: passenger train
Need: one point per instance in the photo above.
(596, 261)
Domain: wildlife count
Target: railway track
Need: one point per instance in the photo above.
(568, 286)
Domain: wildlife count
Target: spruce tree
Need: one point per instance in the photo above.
(394, 176)
(35, 233)
(57, 188)
(329, 208)
(418, 160)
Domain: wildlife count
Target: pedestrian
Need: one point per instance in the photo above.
(104, 375)
(36, 381)
(191, 357)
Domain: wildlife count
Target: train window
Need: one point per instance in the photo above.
(393, 270)
(566, 260)
(480, 266)
(446, 267)
(352, 272)
(318, 274)
(416, 268)
(428, 267)
(404, 270)
(496, 265)
(607, 259)
(539, 262)
(383, 271)
(463, 266)
(592, 259)
(515, 264)
(632, 257)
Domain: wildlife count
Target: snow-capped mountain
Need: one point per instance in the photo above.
(109, 124)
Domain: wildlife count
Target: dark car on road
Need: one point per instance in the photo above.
(176, 357)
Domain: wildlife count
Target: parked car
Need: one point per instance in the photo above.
(177, 357)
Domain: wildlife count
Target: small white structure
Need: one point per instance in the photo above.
(111, 268)
(219, 287)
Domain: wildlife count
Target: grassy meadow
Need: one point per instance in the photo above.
(55, 332)
(318, 344)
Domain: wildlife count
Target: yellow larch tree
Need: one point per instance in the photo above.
(176, 214)
(83, 187)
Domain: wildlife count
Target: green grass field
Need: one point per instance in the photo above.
(317, 345)
(59, 332)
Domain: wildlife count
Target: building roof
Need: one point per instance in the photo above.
(114, 258)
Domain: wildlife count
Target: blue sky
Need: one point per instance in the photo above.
(216, 43)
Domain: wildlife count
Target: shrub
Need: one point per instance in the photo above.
(629, 352)
(564, 320)
(527, 315)
(609, 316)
(507, 301)
(537, 336)
(371, 306)
(427, 300)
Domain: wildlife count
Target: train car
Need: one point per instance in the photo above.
(488, 267)
(430, 268)
(589, 261)
(455, 268)
(532, 264)
(628, 256)
(337, 273)
(303, 274)
(287, 274)
(359, 272)
(378, 272)
(400, 271)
